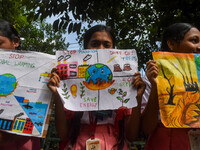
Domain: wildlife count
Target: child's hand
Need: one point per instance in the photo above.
(53, 81)
(139, 84)
(152, 71)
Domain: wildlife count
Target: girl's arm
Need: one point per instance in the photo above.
(132, 122)
(60, 115)
(150, 114)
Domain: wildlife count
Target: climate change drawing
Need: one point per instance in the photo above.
(97, 79)
(178, 89)
(25, 100)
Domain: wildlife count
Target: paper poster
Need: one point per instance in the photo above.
(24, 96)
(178, 89)
(97, 79)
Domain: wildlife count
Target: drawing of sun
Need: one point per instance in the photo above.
(97, 77)
(8, 84)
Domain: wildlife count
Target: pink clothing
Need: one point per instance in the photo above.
(105, 133)
(106, 129)
(16, 142)
(168, 139)
(165, 138)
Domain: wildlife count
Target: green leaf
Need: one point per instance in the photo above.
(119, 98)
(67, 97)
(55, 24)
(78, 28)
(65, 25)
(120, 92)
(126, 100)
(125, 93)
(64, 90)
(70, 27)
(75, 27)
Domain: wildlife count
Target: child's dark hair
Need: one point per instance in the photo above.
(176, 33)
(8, 30)
(98, 28)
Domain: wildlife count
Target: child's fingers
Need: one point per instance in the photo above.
(55, 75)
(137, 80)
(153, 71)
(137, 83)
(55, 81)
(150, 62)
(151, 65)
(53, 70)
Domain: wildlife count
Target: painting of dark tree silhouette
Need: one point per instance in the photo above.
(178, 89)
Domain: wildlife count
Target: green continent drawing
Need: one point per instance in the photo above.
(98, 73)
(8, 84)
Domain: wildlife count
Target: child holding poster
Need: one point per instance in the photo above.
(9, 39)
(75, 128)
(179, 38)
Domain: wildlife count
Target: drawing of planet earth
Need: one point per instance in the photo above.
(8, 84)
(98, 76)
(98, 72)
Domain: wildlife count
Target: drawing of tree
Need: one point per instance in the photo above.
(82, 90)
(66, 95)
(122, 97)
(189, 85)
(171, 91)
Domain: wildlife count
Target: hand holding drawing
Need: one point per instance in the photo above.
(60, 119)
(132, 122)
(152, 71)
(54, 81)
(139, 84)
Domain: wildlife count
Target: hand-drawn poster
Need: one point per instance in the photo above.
(178, 89)
(97, 79)
(25, 99)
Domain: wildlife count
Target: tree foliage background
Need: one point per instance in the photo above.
(35, 35)
(138, 24)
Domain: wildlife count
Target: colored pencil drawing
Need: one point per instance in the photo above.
(94, 76)
(25, 99)
(8, 84)
(97, 77)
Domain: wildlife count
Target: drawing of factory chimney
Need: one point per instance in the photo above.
(83, 68)
(62, 68)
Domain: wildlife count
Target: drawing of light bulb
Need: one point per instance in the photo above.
(73, 90)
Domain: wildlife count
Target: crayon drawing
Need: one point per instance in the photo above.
(25, 100)
(178, 89)
(97, 79)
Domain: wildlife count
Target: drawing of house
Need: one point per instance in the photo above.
(5, 124)
(81, 70)
(28, 128)
(18, 125)
(62, 71)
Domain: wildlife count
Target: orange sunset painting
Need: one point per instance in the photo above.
(178, 89)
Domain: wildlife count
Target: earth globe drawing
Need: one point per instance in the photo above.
(8, 84)
(98, 76)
